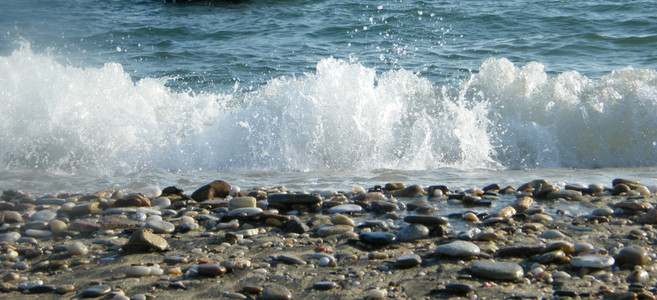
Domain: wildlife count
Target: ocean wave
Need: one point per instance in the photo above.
(342, 116)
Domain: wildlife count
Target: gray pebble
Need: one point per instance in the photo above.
(408, 261)
(457, 249)
(497, 270)
(594, 261)
(413, 232)
(276, 292)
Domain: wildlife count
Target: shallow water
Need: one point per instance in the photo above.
(325, 94)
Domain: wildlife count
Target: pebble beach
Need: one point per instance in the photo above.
(391, 241)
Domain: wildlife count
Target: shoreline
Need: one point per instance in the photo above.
(533, 241)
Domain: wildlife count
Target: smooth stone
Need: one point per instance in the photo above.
(131, 200)
(148, 211)
(38, 233)
(638, 276)
(40, 289)
(330, 230)
(408, 192)
(275, 291)
(84, 226)
(77, 248)
(241, 202)
(295, 225)
(338, 219)
(57, 226)
(382, 207)
(245, 212)
(292, 199)
(50, 201)
(426, 220)
(211, 270)
(43, 215)
(377, 238)
(632, 255)
(29, 284)
(21, 265)
(161, 202)
(10, 237)
(345, 209)
(218, 188)
(151, 192)
(497, 270)
(95, 291)
(289, 260)
(408, 261)
(12, 216)
(145, 240)
(138, 271)
(324, 285)
(583, 247)
(553, 234)
(592, 261)
(565, 194)
(413, 232)
(160, 226)
(457, 249)
(602, 212)
(66, 288)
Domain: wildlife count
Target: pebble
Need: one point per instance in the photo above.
(338, 219)
(345, 209)
(457, 249)
(38, 233)
(497, 270)
(275, 291)
(413, 232)
(161, 202)
(330, 230)
(146, 240)
(77, 248)
(426, 220)
(377, 238)
(376, 294)
(10, 237)
(43, 215)
(553, 234)
(160, 226)
(95, 291)
(211, 270)
(324, 285)
(242, 202)
(138, 271)
(632, 255)
(57, 226)
(593, 261)
(408, 261)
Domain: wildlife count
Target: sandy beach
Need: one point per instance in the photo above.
(397, 241)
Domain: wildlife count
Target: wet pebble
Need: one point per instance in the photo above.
(345, 209)
(275, 291)
(160, 226)
(95, 291)
(408, 261)
(377, 238)
(324, 285)
(77, 248)
(413, 232)
(211, 270)
(497, 270)
(457, 249)
(632, 255)
(593, 261)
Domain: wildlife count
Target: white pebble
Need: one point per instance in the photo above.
(77, 248)
(137, 271)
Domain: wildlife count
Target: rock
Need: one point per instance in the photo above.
(408, 261)
(137, 271)
(338, 219)
(211, 270)
(77, 248)
(95, 291)
(161, 202)
(218, 189)
(241, 202)
(393, 186)
(620, 189)
(324, 285)
(295, 225)
(145, 240)
(382, 207)
(330, 230)
(43, 215)
(377, 238)
(160, 226)
(131, 200)
(413, 232)
(371, 196)
(12, 217)
(457, 249)
(289, 260)
(632, 255)
(10, 237)
(408, 192)
(522, 203)
(506, 212)
(345, 209)
(592, 261)
(426, 220)
(84, 226)
(497, 270)
(38, 233)
(553, 234)
(275, 291)
(63, 289)
(57, 226)
(293, 199)
(638, 276)
(565, 194)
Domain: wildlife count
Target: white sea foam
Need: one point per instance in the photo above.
(343, 116)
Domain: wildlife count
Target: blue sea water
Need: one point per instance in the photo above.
(325, 93)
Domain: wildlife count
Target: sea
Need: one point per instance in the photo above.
(325, 94)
